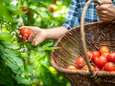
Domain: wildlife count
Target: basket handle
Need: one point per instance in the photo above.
(82, 31)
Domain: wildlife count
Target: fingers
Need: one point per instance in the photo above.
(34, 29)
(31, 37)
(37, 37)
(103, 7)
(101, 2)
(103, 11)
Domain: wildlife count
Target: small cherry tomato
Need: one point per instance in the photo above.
(25, 33)
(96, 54)
(104, 50)
(111, 57)
(109, 67)
(100, 61)
(79, 62)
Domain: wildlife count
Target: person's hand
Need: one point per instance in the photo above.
(38, 35)
(106, 12)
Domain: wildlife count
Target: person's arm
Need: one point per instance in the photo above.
(54, 33)
(39, 35)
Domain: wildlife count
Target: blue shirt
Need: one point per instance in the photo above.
(75, 11)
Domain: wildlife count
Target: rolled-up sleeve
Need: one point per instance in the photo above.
(72, 17)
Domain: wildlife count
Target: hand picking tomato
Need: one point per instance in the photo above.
(25, 33)
(100, 61)
(104, 50)
(111, 57)
(79, 62)
(109, 67)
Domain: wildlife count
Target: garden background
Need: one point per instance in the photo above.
(22, 64)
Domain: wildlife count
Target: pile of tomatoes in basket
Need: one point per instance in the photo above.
(102, 59)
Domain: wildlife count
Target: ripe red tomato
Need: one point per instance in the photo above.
(79, 62)
(96, 54)
(25, 33)
(104, 50)
(111, 57)
(109, 67)
(100, 61)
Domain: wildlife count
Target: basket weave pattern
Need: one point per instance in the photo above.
(70, 46)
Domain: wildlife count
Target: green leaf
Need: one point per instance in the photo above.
(5, 72)
(4, 36)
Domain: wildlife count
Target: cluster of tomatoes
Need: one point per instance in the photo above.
(25, 33)
(101, 59)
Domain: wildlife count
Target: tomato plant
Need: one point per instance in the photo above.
(21, 63)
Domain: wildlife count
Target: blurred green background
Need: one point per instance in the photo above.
(22, 64)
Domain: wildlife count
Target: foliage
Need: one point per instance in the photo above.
(22, 63)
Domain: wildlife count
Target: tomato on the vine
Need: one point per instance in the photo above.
(25, 33)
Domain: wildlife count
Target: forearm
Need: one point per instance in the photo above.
(55, 33)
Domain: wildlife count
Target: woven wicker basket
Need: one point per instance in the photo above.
(70, 46)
